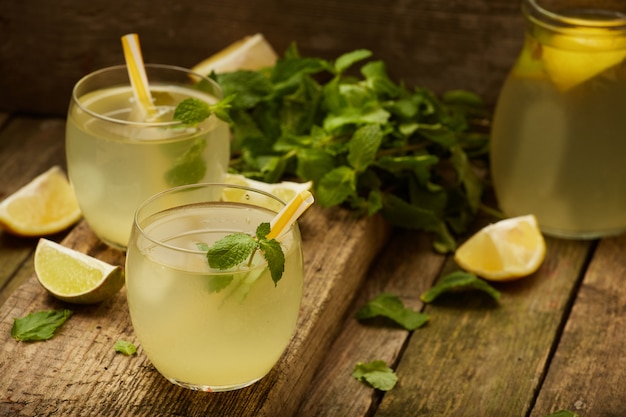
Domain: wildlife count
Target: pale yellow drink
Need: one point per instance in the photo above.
(196, 333)
(116, 159)
(559, 133)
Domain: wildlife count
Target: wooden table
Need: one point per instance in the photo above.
(555, 340)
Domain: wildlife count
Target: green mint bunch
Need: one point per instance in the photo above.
(238, 248)
(365, 141)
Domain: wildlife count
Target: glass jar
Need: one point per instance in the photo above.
(559, 132)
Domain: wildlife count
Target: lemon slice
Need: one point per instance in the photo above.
(572, 60)
(285, 190)
(44, 206)
(502, 251)
(250, 53)
(73, 276)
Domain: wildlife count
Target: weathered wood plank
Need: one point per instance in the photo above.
(406, 268)
(78, 373)
(588, 371)
(477, 357)
(28, 147)
(432, 43)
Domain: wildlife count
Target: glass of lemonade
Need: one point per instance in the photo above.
(116, 159)
(559, 130)
(203, 328)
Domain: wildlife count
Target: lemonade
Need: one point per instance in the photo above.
(203, 328)
(115, 162)
(559, 132)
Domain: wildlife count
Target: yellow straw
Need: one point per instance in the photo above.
(137, 72)
(290, 213)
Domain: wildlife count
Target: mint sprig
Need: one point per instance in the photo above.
(193, 111)
(237, 248)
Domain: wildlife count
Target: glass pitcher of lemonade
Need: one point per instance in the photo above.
(559, 133)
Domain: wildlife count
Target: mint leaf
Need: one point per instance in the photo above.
(377, 374)
(363, 146)
(348, 59)
(236, 248)
(262, 230)
(191, 111)
(390, 306)
(190, 167)
(125, 347)
(273, 254)
(459, 281)
(231, 250)
(336, 186)
(217, 283)
(40, 325)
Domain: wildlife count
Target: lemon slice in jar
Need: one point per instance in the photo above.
(570, 60)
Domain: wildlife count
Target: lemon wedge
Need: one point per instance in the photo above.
(250, 53)
(572, 60)
(44, 206)
(505, 250)
(285, 190)
(73, 276)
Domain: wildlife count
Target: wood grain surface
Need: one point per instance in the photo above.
(439, 44)
(78, 373)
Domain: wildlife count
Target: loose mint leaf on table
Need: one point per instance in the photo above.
(459, 281)
(391, 307)
(377, 374)
(40, 325)
(125, 347)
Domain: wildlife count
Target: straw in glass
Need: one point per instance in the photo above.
(290, 213)
(137, 73)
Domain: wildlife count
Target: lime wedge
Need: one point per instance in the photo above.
(73, 276)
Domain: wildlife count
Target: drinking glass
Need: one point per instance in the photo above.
(559, 131)
(203, 328)
(116, 158)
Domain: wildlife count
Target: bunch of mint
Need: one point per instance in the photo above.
(366, 142)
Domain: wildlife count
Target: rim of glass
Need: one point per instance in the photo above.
(100, 116)
(188, 187)
(544, 17)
